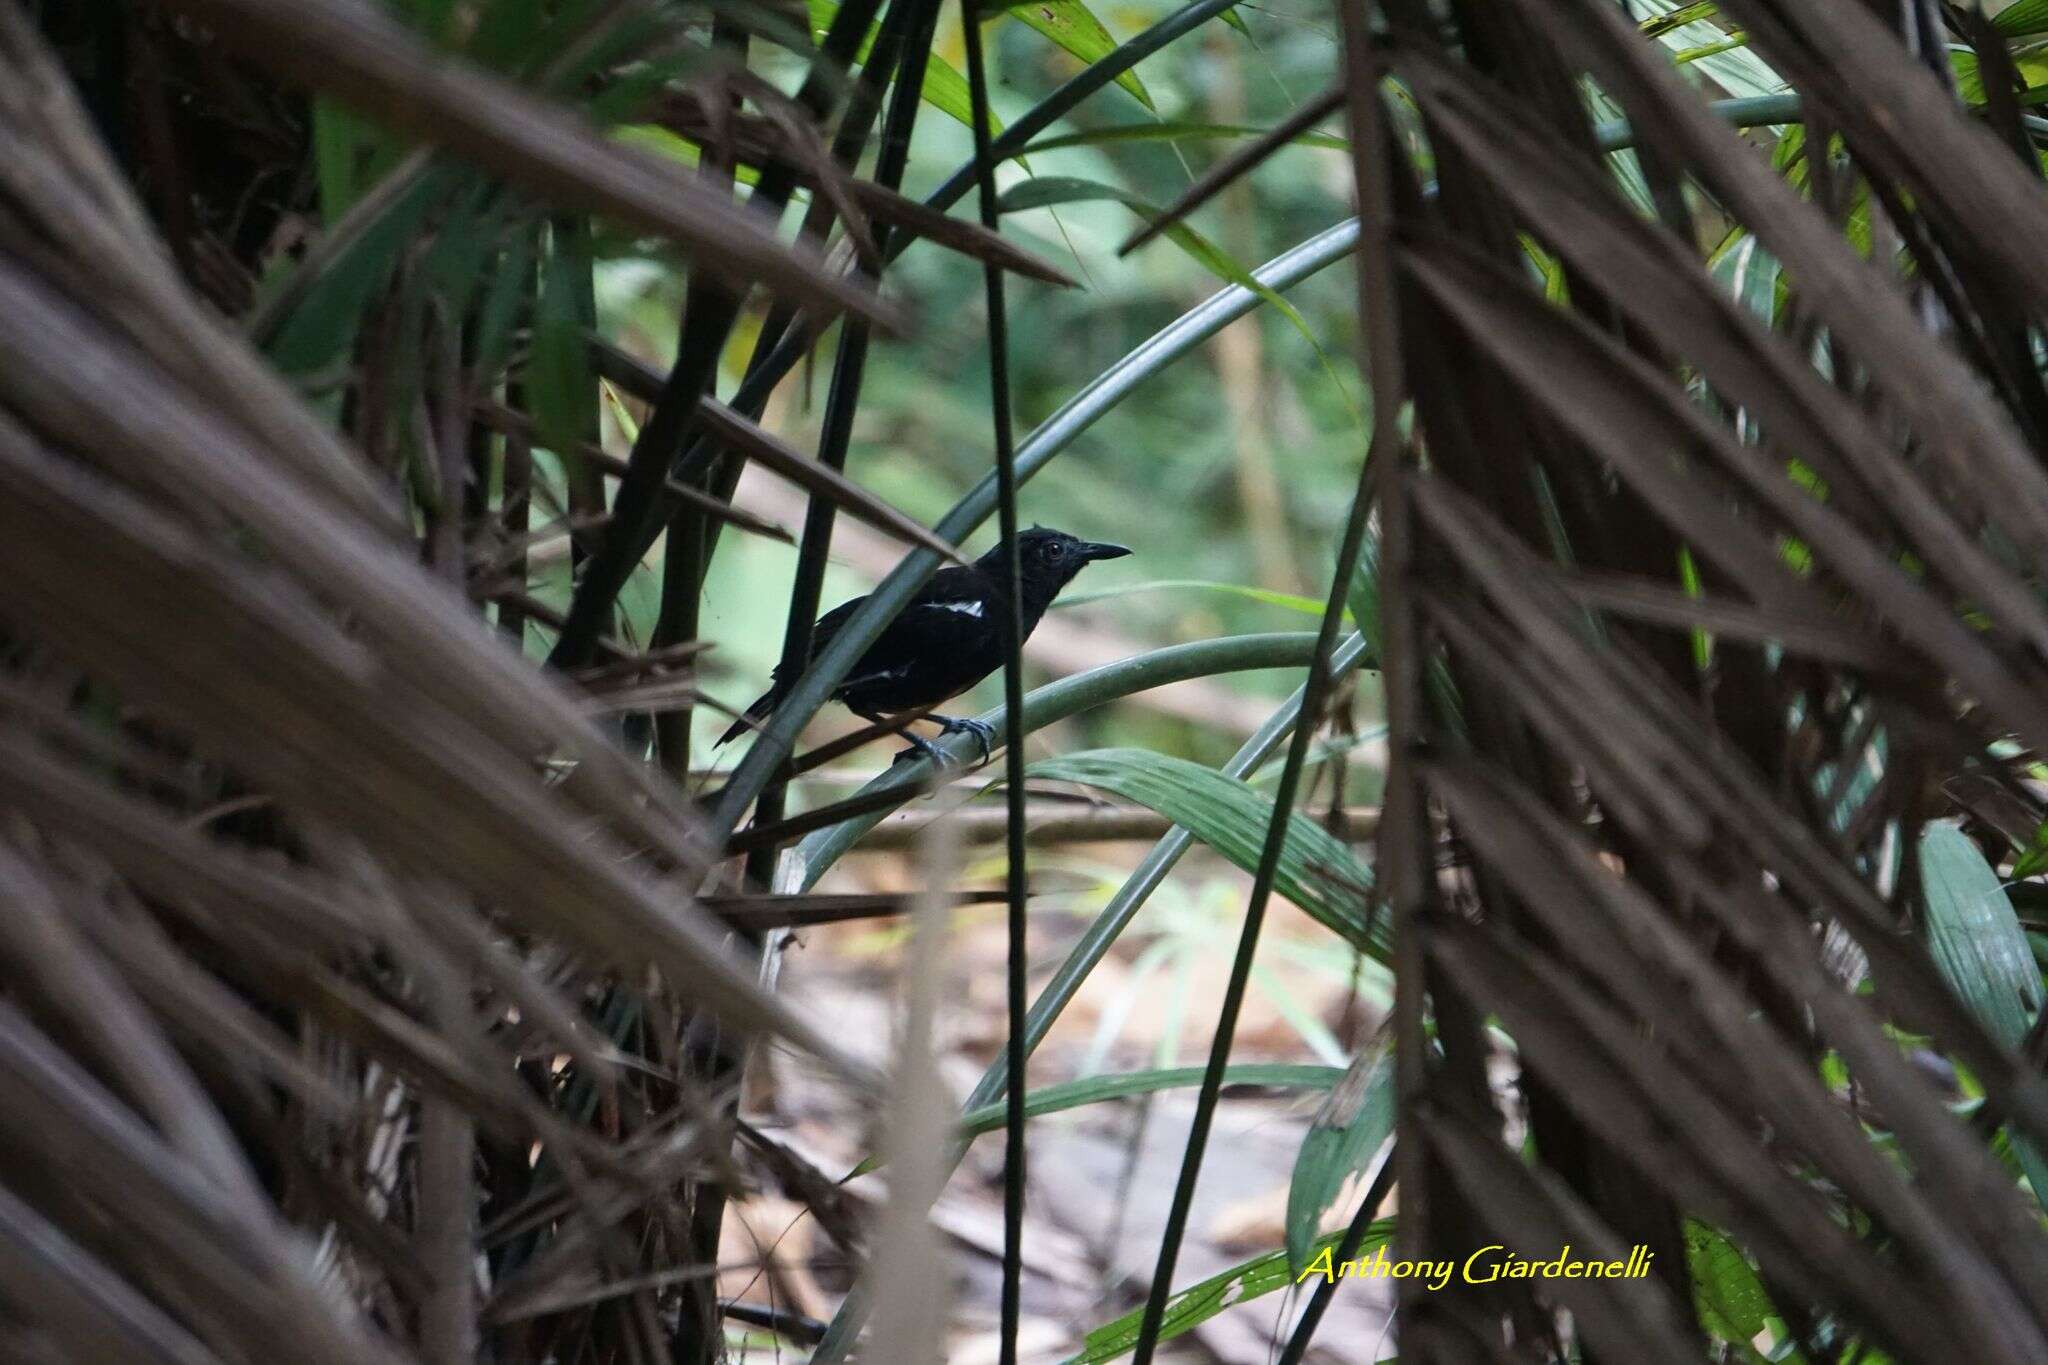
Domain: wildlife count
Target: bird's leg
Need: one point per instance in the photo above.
(983, 732)
(919, 745)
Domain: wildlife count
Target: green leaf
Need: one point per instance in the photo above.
(560, 381)
(1052, 1099)
(2034, 857)
(1982, 952)
(2025, 18)
(511, 284)
(625, 94)
(350, 154)
(1291, 601)
(1073, 27)
(1730, 1299)
(1196, 1304)
(1748, 272)
(1355, 1121)
(1548, 269)
(1689, 580)
(471, 230)
(1686, 55)
(1070, 696)
(1095, 1089)
(654, 138)
(341, 143)
(1697, 33)
(1364, 600)
(1046, 191)
(1363, 596)
(945, 89)
(2032, 66)
(321, 327)
(1316, 872)
(1322, 751)
(1662, 24)
(1974, 935)
(1178, 131)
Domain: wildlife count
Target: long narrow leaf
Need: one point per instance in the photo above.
(1191, 1307)
(1054, 1099)
(1353, 1124)
(377, 66)
(1055, 701)
(1048, 191)
(1046, 441)
(1315, 871)
(943, 87)
(1178, 130)
(1073, 27)
(1982, 952)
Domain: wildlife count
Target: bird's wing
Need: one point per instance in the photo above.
(827, 626)
(951, 590)
(952, 585)
(952, 611)
(950, 596)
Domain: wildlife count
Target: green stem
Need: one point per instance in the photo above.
(1091, 949)
(1055, 434)
(1055, 702)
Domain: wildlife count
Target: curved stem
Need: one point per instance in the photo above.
(1062, 101)
(1315, 693)
(1147, 876)
(788, 334)
(1055, 702)
(1093, 946)
(1055, 434)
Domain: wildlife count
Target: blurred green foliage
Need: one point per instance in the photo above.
(1162, 471)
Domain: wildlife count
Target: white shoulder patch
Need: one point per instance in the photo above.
(964, 608)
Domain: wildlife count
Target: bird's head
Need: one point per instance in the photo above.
(1049, 559)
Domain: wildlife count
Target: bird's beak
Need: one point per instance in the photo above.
(1101, 549)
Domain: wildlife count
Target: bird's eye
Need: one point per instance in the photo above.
(1055, 550)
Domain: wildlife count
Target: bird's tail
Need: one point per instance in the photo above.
(763, 704)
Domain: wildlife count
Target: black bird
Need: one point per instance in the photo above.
(948, 639)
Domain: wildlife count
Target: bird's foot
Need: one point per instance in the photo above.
(984, 733)
(921, 747)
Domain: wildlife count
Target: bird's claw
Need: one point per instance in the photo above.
(921, 747)
(984, 733)
(984, 736)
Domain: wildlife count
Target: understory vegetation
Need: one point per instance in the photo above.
(1587, 471)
